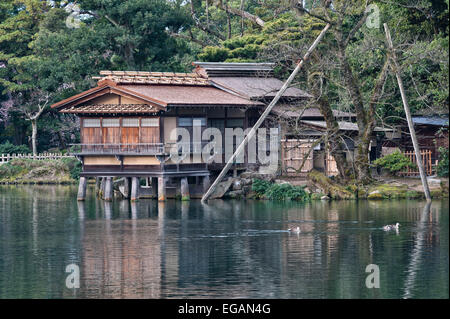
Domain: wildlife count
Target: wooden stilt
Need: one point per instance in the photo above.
(134, 189)
(108, 189)
(184, 189)
(161, 189)
(82, 189)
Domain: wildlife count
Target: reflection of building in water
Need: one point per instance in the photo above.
(122, 258)
(225, 252)
(232, 249)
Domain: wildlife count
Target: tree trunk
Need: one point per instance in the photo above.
(335, 139)
(34, 136)
(365, 124)
(242, 18)
(228, 22)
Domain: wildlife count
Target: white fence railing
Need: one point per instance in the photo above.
(5, 158)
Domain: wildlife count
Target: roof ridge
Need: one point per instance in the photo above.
(141, 77)
(146, 73)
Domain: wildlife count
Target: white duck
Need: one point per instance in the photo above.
(391, 227)
(295, 230)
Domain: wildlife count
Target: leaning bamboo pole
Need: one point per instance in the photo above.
(412, 131)
(264, 115)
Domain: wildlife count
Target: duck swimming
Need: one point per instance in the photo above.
(294, 229)
(391, 227)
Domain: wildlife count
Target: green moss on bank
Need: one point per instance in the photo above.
(334, 190)
(389, 191)
(26, 171)
(271, 191)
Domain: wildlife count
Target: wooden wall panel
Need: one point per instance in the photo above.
(111, 135)
(91, 135)
(149, 135)
(130, 135)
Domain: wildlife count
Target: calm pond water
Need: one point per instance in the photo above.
(228, 249)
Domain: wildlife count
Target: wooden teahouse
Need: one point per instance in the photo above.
(126, 120)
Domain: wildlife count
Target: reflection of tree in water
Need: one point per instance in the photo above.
(416, 255)
(121, 257)
(241, 249)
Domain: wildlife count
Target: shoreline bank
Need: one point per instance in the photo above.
(248, 185)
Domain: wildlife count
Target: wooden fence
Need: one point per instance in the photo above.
(426, 160)
(5, 158)
(294, 151)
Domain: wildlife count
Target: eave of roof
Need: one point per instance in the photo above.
(111, 109)
(105, 87)
(430, 120)
(343, 125)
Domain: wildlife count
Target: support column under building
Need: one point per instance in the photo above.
(135, 188)
(184, 189)
(108, 189)
(82, 189)
(161, 189)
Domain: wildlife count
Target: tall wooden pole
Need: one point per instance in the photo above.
(264, 115)
(412, 131)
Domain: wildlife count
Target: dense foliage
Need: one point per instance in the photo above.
(442, 169)
(395, 162)
(9, 148)
(272, 191)
(49, 50)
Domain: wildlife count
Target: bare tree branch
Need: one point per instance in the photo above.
(202, 27)
(185, 37)
(239, 12)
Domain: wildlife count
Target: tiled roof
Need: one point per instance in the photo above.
(292, 111)
(430, 120)
(178, 95)
(135, 77)
(111, 108)
(343, 125)
(257, 87)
